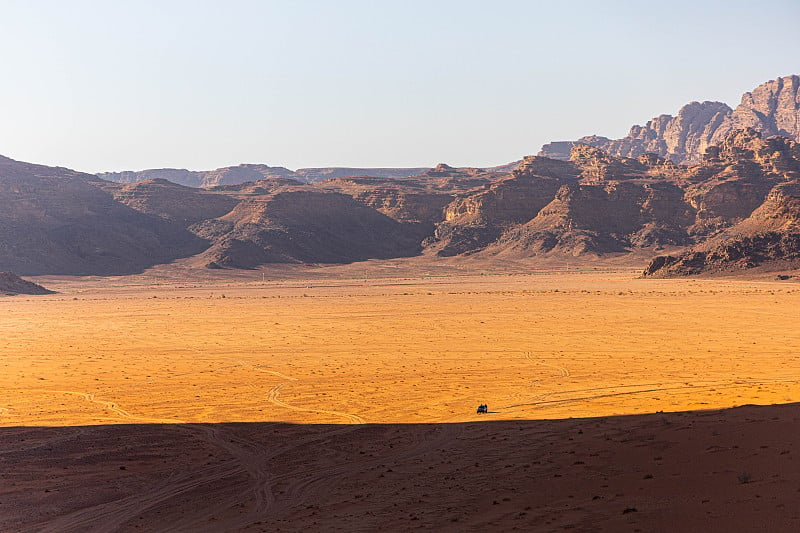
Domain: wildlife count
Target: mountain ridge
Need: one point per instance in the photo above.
(772, 108)
(736, 208)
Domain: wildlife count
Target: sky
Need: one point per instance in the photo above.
(129, 85)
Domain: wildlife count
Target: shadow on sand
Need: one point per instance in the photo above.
(734, 469)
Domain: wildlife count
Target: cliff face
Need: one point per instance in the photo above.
(611, 206)
(476, 218)
(420, 199)
(754, 189)
(737, 207)
(772, 108)
(682, 138)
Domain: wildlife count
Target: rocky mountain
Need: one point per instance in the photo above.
(764, 176)
(11, 284)
(740, 197)
(201, 178)
(772, 108)
(303, 225)
(57, 221)
(737, 207)
(313, 175)
(610, 205)
(63, 222)
(476, 218)
(251, 172)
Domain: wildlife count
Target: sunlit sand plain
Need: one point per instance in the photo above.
(541, 345)
(344, 398)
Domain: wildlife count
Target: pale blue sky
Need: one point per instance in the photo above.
(113, 85)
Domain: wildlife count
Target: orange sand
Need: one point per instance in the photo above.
(149, 404)
(388, 351)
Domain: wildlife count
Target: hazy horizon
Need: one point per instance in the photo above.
(196, 85)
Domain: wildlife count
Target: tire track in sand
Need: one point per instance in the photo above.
(113, 515)
(220, 484)
(110, 406)
(564, 372)
(274, 392)
(658, 389)
(308, 486)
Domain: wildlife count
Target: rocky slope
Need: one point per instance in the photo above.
(772, 108)
(764, 175)
(11, 284)
(419, 198)
(57, 221)
(610, 205)
(303, 225)
(475, 219)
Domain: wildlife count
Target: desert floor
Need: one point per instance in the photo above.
(344, 398)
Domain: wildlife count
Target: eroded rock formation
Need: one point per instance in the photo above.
(772, 108)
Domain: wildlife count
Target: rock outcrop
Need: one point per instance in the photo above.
(561, 150)
(11, 285)
(475, 219)
(760, 229)
(611, 205)
(772, 108)
(736, 207)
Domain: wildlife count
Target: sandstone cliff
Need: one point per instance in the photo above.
(475, 219)
(612, 205)
(753, 186)
(772, 108)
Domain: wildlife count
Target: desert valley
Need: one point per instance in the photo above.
(259, 349)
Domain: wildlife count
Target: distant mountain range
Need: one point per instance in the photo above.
(771, 109)
(738, 207)
(252, 172)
